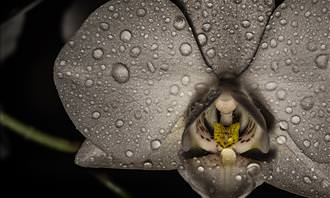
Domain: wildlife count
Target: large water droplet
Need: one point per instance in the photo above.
(129, 153)
(155, 144)
(200, 169)
(120, 72)
(270, 86)
(322, 61)
(119, 123)
(185, 80)
(104, 26)
(89, 83)
(125, 35)
(202, 39)
(327, 138)
(307, 143)
(281, 139)
(98, 53)
(284, 125)
(185, 49)
(141, 12)
(307, 180)
(96, 115)
(179, 23)
(135, 51)
(174, 90)
(295, 119)
(281, 94)
(307, 103)
(147, 164)
(253, 169)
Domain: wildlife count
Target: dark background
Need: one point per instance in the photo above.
(28, 93)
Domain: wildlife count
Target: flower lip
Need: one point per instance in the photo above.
(226, 118)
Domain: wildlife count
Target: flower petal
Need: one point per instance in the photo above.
(291, 74)
(126, 79)
(228, 31)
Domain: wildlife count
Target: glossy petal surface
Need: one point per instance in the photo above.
(228, 31)
(127, 77)
(290, 75)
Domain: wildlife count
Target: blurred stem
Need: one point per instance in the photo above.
(53, 142)
(114, 188)
(35, 135)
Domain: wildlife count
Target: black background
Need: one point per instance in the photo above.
(28, 93)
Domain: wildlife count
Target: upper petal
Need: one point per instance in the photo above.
(126, 79)
(228, 31)
(291, 74)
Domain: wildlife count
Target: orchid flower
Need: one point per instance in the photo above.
(231, 93)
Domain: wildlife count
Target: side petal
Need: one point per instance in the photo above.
(291, 75)
(228, 31)
(127, 77)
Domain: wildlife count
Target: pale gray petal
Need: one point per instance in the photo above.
(290, 75)
(228, 31)
(126, 79)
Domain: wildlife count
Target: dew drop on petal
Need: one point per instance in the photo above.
(155, 144)
(125, 35)
(98, 53)
(120, 72)
(307, 102)
(179, 23)
(281, 139)
(96, 115)
(185, 49)
(119, 123)
(295, 119)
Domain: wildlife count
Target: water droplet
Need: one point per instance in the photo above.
(238, 178)
(185, 49)
(273, 43)
(164, 67)
(125, 35)
(200, 169)
(179, 23)
(185, 80)
(135, 51)
(253, 169)
(202, 39)
(120, 72)
(322, 61)
(246, 23)
(307, 103)
(151, 67)
(137, 114)
(306, 143)
(281, 139)
(89, 83)
(307, 180)
(98, 53)
(270, 86)
(147, 164)
(141, 12)
(104, 26)
(210, 52)
(129, 153)
(119, 123)
(281, 94)
(327, 138)
(284, 125)
(249, 36)
(96, 115)
(155, 144)
(295, 119)
(174, 90)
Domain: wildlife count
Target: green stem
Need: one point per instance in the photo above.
(53, 142)
(111, 186)
(35, 135)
